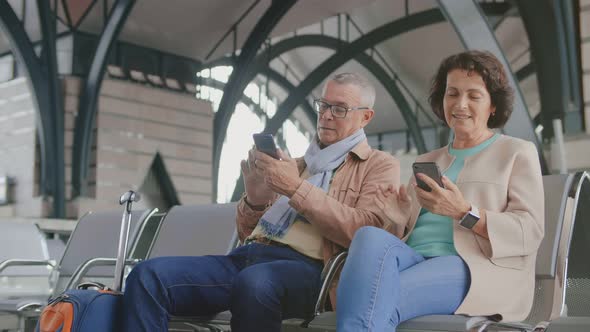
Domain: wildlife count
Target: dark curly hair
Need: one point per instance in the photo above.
(494, 76)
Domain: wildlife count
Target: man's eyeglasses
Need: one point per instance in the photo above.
(338, 111)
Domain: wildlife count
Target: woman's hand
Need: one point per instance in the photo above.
(395, 204)
(447, 201)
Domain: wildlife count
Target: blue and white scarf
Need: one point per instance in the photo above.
(320, 165)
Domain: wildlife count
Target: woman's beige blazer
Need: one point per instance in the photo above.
(504, 179)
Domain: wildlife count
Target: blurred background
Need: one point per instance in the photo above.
(101, 96)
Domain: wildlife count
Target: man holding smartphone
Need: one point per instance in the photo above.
(295, 215)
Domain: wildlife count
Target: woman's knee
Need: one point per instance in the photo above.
(368, 237)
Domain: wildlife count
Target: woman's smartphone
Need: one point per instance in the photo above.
(266, 143)
(430, 169)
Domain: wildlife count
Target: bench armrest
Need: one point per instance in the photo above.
(26, 262)
(330, 270)
(83, 269)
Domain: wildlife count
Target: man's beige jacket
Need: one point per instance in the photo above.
(347, 206)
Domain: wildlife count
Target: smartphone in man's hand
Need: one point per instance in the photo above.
(266, 143)
(431, 170)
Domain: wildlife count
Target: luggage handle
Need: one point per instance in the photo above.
(93, 284)
(126, 199)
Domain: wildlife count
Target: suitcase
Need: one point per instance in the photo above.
(92, 306)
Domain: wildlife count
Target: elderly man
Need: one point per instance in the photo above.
(295, 215)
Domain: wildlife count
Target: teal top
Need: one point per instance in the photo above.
(433, 234)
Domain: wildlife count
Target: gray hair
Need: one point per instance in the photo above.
(367, 88)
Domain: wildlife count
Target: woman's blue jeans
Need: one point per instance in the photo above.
(260, 284)
(384, 282)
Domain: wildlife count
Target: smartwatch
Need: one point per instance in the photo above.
(470, 218)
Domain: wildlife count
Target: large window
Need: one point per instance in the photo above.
(246, 120)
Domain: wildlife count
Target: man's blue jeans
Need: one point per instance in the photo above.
(384, 282)
(260, 284)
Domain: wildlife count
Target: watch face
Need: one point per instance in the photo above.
(469, 221)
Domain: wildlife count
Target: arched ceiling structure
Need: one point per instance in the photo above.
(206, 31)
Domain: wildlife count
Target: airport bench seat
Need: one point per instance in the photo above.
(561, 203)
(95, 235)
(566, 201)
(25, 264)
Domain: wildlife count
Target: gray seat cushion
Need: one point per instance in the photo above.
(327, 322)
(570, 324)
(220, 321)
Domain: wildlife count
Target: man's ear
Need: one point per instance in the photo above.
(367, 116)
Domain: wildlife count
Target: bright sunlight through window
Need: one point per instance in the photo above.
(243, 124)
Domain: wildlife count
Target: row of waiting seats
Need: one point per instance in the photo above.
(562, 294)
(89, 254)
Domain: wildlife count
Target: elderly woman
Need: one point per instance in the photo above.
(470, 247)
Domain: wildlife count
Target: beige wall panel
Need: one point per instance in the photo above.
(132, 109)
(587, 85)
(118, 141)
(72, 85)
(69, 138)
(68, 158)
(188, 168)
(193, 153)
(111, 192)
(121, 159)
(155, 131)
(196, 175)
(123, 177)
(134, 123)
(586, 55)
(585, 23)
(120, 180)
(176, 100)
(69, 121)
(71, 103)
(155, 96)
(142, 163)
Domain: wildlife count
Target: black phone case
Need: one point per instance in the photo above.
(431, 170)
(265, 143)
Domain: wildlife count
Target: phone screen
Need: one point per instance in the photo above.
(431, 170)
(265, 143)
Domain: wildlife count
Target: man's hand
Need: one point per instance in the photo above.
(396, 204)
(257, 192)
(281, 176)
(447, 201)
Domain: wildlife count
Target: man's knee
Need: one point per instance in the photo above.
(253, 287)
(144, 274)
